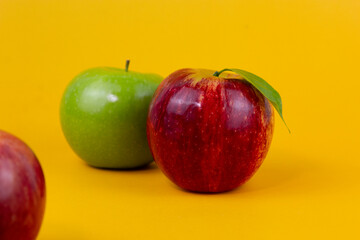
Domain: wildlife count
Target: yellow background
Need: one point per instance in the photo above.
(309, 50)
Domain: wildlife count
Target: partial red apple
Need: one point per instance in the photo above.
(209, 133)
(22, 190)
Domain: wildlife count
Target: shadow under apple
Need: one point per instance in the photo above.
(281, 171)
(277, 172)
(148, 167)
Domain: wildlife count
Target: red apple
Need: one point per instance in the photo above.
(209, 133)
(22, 190)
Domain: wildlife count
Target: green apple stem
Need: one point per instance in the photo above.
(217, 73)
(127, 65)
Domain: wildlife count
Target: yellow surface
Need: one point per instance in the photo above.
(309, 50)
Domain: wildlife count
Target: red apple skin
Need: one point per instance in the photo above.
(207, 133)
(22, 190)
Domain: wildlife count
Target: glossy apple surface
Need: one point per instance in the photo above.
(207, 133)
(22, 190)
(103, 116)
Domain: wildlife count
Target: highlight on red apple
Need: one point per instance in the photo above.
(209, 131)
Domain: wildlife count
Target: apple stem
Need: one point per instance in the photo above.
(216, 74)
(127, 65)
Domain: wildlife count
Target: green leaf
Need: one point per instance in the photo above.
(260, 84)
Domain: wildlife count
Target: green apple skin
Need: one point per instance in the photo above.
(103, 116)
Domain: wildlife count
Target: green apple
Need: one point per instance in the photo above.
(103, 116)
